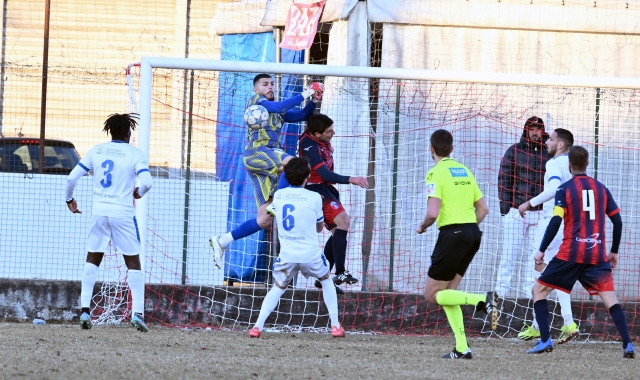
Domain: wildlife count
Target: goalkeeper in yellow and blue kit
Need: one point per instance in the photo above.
(263, 156)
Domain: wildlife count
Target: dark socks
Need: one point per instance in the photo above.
(86, 310)
(328, 252)
(620, 320)
(541, 308)
(340, 249)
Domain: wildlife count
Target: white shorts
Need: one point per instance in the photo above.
(553, 248)
(121, 232)
(284, 272)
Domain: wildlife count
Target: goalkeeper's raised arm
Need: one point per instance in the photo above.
(263, 86)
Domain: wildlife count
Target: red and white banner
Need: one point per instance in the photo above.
(301, 26)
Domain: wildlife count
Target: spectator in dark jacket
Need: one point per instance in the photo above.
(521, 177)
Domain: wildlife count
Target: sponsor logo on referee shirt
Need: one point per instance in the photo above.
(458, 172)
(431, 188)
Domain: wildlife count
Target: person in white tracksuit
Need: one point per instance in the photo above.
(557, 172)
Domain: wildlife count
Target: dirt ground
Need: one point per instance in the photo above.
(66, 352)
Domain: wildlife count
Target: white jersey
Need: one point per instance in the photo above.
(297, 212)
(115, 165)
(557, 173)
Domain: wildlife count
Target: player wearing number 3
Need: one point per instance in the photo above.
(300, 218)
(115, 165)
(583, 203)
(263, 157)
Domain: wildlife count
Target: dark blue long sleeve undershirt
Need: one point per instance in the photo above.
(550, 233)
(330, 177)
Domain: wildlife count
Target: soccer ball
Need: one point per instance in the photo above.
(256, 116)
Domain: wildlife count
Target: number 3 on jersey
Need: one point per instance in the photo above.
(288, 222)
(589, 203)
(106, 181)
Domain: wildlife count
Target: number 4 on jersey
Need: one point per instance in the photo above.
(588, 203)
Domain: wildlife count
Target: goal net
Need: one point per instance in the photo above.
(192, 127)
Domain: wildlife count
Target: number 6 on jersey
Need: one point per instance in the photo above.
(288, 222)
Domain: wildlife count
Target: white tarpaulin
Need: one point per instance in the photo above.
(239, 17)
(608, 16)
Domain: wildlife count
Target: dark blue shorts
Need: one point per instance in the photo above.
(562, 275)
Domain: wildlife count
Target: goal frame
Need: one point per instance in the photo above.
(147, 64)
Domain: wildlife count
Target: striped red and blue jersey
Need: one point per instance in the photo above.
(585, 205)
(318, 153)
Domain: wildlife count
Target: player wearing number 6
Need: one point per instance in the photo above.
(115, 165)
(300, 218)
(583, 203)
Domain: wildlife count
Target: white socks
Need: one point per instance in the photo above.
(88, 281)
(331, 300)
(270, 302)
(565, 307)
(136, 285)
(225, 239)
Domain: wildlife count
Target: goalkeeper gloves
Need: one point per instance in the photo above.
(308, 92)
(314, 91)
(319, 88)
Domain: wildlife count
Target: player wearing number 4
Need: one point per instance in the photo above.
(457, 204)
(263, 157)
(556, 173)
(115, 165)
(300, 218)
(583, 203)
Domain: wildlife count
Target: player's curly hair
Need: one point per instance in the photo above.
(120, 125)
(297, 170)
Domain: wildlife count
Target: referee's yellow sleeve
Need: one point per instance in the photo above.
(558, 211)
